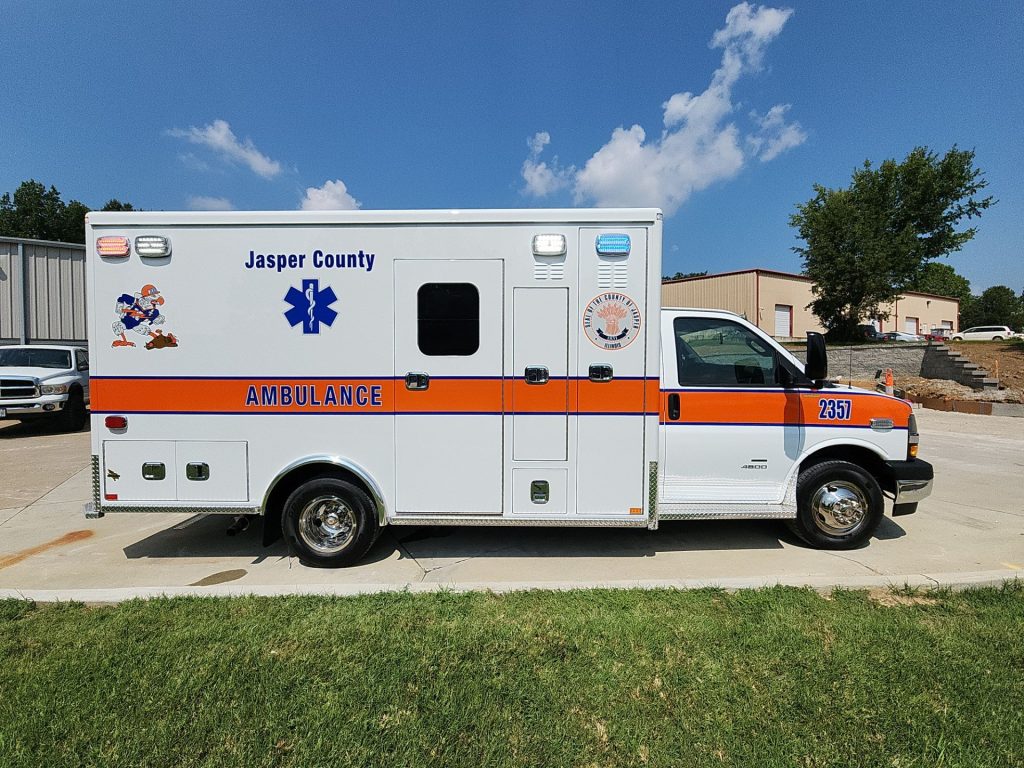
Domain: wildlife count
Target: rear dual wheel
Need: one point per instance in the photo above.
(839, 505)
(329, 522)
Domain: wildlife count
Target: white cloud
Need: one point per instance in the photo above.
(332, 196)
(697, 146)
(202, 203)
(219, 137)
(543, 179)
(776, 135)
(189, 160)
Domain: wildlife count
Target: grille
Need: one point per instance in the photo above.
(612, 274)
(548, 271)
(11, 388)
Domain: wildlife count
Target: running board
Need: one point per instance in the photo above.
(726, 512)
(497, 521)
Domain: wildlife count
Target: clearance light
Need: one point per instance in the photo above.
(613, 245)
(152, 246)
(115, 422)
(110, 497)
(549, 245)
(113, 246)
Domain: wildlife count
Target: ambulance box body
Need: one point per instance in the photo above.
(336, 372)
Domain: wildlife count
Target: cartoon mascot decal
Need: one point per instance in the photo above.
(141, 313)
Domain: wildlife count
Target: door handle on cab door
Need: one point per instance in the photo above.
(673, 406)
(415, 381)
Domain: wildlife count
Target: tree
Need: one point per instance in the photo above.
(116, 205)
(39, 213)
(72, 229)
(683, 275)
(942, 280)
(997, 305)
(869, 242)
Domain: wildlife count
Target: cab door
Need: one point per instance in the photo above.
(448, 389)
(731, 433)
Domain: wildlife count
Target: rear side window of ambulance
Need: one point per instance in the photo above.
(448, 319)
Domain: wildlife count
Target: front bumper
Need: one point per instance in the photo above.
(39, 406)
(910, 481)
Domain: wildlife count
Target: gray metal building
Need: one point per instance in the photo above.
(42, 292)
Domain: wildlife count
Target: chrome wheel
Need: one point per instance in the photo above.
(839, 507)
(327, 524)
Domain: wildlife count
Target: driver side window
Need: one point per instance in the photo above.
(720, 353)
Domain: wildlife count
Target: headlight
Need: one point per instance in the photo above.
(53, 389)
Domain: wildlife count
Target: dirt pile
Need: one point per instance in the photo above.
(944, 389)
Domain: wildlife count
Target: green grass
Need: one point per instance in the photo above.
(776, 677)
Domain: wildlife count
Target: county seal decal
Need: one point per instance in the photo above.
(612, 320)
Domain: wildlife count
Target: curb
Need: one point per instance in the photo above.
(824, 584)
(977, 407)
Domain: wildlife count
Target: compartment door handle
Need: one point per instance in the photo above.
(415, 380)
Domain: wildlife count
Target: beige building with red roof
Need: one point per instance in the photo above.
(777, 303)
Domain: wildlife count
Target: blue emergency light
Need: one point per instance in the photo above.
(613, 245)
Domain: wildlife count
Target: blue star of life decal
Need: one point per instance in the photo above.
(310, 306)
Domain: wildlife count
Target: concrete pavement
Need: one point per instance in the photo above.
(970, 531)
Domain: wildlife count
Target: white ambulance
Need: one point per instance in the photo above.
(336, 372)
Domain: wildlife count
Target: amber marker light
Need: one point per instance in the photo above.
(118, 247)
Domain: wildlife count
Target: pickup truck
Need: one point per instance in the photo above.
(45, 382)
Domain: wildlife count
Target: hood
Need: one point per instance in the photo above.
(42, 374)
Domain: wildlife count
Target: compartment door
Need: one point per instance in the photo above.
(210, 470)
(540, 362)
(139, 470)
(449, 389)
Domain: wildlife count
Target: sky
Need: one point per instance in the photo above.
(723, 114)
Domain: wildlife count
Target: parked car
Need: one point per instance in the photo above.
(900, 336)
(985, 333)
(45, 382)
(869, 333)
(938, 334)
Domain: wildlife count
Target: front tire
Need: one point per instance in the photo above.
(73, 416)
(329, 522)
(839, 505)
(997, 338)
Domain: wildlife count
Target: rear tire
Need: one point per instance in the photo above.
(72, 418)
(329, 522)
(839, 505)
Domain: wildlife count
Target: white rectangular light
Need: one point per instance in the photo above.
(549, 245)
(152, 246)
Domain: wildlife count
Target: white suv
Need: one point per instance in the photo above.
(985, 333)
(45, 382)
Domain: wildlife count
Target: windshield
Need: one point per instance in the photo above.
(26, 357)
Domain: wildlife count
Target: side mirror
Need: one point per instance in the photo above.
(816, 368)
